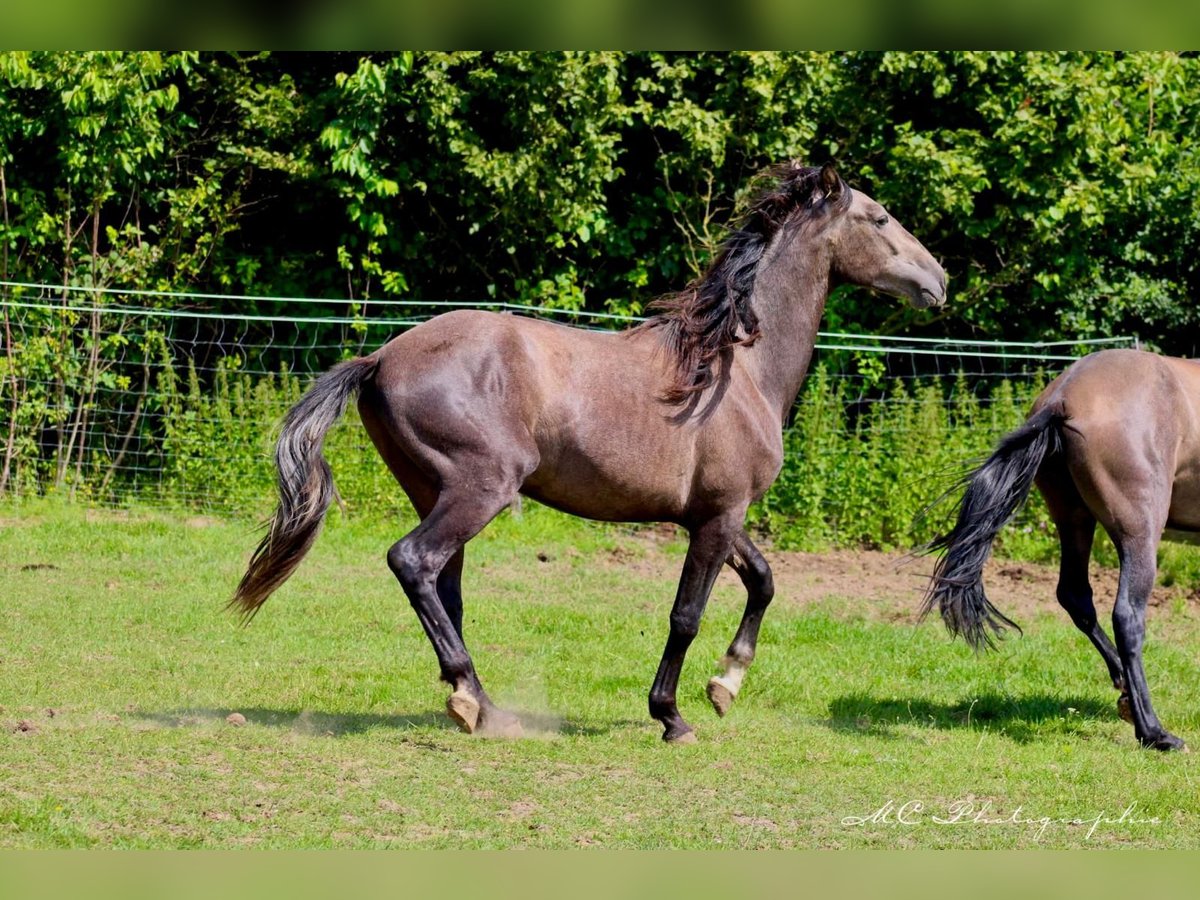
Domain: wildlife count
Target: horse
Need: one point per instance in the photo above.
(676, 420)
(1114, 439)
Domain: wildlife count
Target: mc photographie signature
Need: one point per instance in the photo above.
(982, 812)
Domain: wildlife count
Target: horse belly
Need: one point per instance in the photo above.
(614, 481)
(1182, 536)
(1184, 514)
(1184, 511)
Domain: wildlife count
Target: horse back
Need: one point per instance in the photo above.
(1131, 435)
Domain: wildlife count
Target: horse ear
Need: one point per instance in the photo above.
(831, 182)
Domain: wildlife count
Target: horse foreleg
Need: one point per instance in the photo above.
(709, 547)
(752, 568)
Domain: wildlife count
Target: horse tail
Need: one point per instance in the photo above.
(994, 491)
(305, 483)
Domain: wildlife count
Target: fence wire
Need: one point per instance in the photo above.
(164, 398)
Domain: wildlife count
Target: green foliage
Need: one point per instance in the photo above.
(123, 415)
(1057, 187)
(863, 473)
(138, 169)
(217, 446)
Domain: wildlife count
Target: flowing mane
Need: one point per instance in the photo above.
(713, 313)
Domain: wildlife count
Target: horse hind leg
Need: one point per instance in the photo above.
(427, 563)
(1076, 533)
(423, 497)
(449, 589)
(1138, 569)
(423, 494)
(756, 576)
(1129, 494)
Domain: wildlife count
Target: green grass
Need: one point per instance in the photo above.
(114, 622)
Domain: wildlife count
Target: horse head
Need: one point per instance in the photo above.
(871, 249)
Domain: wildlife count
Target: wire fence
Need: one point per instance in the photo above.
(166, 398)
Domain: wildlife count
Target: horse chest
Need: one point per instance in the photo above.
(747, 466)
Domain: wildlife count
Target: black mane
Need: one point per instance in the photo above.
(713, 313)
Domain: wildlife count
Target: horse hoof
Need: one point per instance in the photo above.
(719, 695)
(463, 709)
(1124, 708)
(1167, 743)
(680, 737)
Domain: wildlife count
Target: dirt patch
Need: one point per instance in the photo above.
(754, 822)
(107, 515)
(201, 522)
(888, 585)
(644, 562)
(25, 522)
(521, 809)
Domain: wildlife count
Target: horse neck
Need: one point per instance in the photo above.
(789, 299)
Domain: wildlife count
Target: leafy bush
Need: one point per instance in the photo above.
(1057, 187)
(217, 445)
(860, 472)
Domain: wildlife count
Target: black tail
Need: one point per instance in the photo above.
(305, 483)
(994, 491)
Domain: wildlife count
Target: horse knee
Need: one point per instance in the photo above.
(399, 558)
(756, 576)
(1084, 621)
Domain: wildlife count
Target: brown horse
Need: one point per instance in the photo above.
(677, 420)
(1115, 439)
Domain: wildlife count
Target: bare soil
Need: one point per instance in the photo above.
(892, 585)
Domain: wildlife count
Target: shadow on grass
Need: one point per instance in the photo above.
(1024, 718)
(306, 721)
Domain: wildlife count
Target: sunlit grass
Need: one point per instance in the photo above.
(121, 667)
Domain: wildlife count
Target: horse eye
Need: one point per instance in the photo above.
(881, 221)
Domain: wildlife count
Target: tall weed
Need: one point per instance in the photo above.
(864, 470)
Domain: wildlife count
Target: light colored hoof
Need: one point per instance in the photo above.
(463, 709)
(688, 737)
(1124, 709)
(720, 695)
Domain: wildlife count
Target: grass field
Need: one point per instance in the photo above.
(118, 669)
